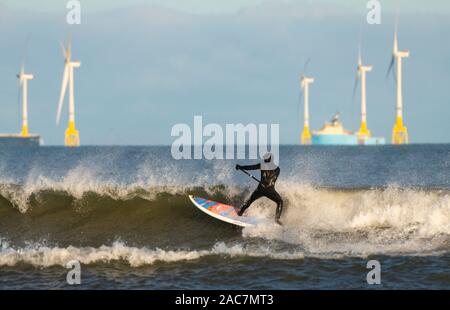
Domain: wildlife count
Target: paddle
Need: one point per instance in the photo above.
(251, 176)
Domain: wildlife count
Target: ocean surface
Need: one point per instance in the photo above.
(124, 214)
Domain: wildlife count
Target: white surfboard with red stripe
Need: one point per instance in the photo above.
(222, 212)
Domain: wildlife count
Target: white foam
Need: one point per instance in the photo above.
(388, 221)
(45, 256)
(152, 177)
(320, 221)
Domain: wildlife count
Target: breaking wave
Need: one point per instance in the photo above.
(390, 221)
(43, 256)
(101, 205)
(318, 222)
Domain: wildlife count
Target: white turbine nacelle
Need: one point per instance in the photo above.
(24, 76)
(402, 54)
(75, 64)
(362, 68)
(306, 81)
(396, 52)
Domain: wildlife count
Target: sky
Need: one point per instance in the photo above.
(148, 65)
(228, 6)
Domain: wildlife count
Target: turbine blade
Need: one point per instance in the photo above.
(391, 65)
(69, 47)
(63, 92)
(306, 65)
(355, 86)
(63, 49)
(396, 39)
(395, 75)
(25, 51)
(21, 74)
(359, 56)
(395, 43)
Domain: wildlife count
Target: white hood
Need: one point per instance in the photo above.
(268, 165)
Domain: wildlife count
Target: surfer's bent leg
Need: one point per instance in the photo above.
(273, 195)
(255, 195)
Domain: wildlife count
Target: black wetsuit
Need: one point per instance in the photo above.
(266, 188)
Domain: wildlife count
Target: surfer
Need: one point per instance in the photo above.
(266, 187)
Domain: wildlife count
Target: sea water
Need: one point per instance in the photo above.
(124, 214)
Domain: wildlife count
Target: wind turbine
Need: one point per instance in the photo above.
(72, 138)
(399, 132)
(23, 81)
(304, 84)
(361, 71)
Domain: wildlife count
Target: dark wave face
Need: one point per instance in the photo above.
(123, 212)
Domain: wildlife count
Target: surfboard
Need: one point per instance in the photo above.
(223, 212)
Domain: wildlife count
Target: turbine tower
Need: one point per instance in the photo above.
(306, 134)
(23, 80)
(399, 132)
(363, 132)
(72, 138)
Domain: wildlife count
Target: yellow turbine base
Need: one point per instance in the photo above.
(72, 138)
(363, 131)
(24, 132)
(399, 132)
(306, 136)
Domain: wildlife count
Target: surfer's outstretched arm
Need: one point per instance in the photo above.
(250, 167)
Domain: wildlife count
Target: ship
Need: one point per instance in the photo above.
(19, 140)
(334, 133)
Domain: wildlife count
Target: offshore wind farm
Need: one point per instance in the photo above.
(71, 138)
(332, 133)
(332, 66)
(107, 191)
